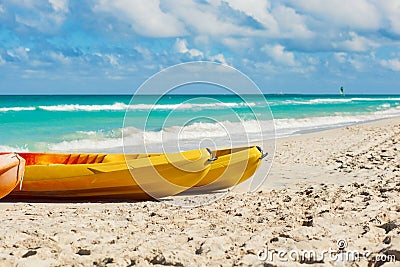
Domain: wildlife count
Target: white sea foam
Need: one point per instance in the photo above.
(123, 106)
(285, 127)
(16, 109)
(376, 99)
(77, 107)
(86, 145)
(190, 105)
(316, 101)
(13, 149)
(335, 100)
(221, 133)
(120, 106)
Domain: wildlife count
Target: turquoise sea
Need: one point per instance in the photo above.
(88, 123)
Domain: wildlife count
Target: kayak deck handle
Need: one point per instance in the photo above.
(212, 156)
(263, 155)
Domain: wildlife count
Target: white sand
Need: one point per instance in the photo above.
(341, 184)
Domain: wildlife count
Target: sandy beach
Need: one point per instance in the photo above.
(334, 193)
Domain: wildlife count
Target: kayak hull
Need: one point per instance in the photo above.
(140, 177)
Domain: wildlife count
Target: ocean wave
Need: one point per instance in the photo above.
(123, 106)
(191, 105)
(192, 135)
(120, 106)
(316, 101)
(78, 107)
(285, 127)
(376, 99)
(86, 145)
(220, 133)
(17, 109)
(13, 149)
(204, 130)
(333, 100)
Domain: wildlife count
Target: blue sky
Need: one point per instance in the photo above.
(112, 46)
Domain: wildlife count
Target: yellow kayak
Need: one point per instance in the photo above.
(135, 176)
(110, 175)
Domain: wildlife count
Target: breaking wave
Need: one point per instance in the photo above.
(123, 107)
(221, 133)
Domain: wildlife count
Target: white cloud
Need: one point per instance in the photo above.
(37, 15)
(2, 61)
(279, 55)
(39, 63)
(113, 60)
(357, 63)
(357, 14)
(291, 24)
(145, 52)
(206, 20)
(390, 10)
(340, 56)
(181, 47)
(258, 10)
(361, 62)
(146, 17)
(239, 44)
(219, 58)
(393, 64)
(355, 43)
(312, 60)
(59, 5)
(59, 57)
(279, 21)
(18, 53)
